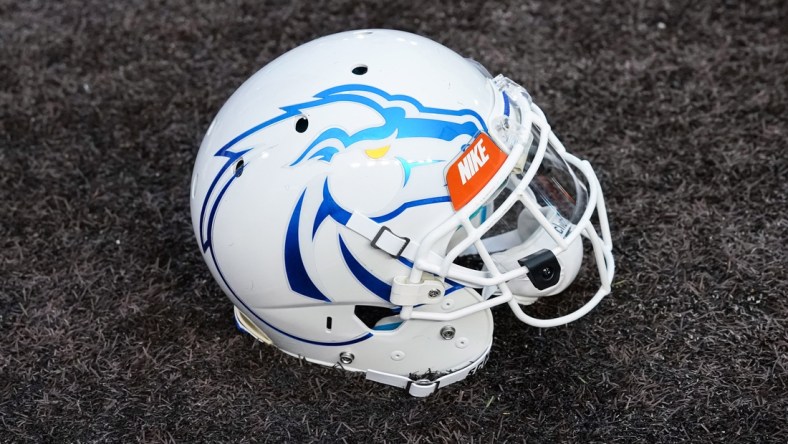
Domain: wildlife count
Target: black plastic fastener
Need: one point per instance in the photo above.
(544, 271)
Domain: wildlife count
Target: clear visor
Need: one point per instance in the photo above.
(555, 188)
(541, 181)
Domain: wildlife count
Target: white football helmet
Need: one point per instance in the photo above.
(336, 189)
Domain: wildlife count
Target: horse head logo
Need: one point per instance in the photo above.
(394, 133)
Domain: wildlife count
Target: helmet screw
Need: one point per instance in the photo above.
(547, 273)
(447, 332)
(434, 293)
(346, 357)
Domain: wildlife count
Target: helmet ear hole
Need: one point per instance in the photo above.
(371, 314)
(360, 70)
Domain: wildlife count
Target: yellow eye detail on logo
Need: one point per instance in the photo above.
(377, 153)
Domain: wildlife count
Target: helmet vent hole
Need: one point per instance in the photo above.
(239, 168)
(302, 124)
(360, 70)
(329, 323)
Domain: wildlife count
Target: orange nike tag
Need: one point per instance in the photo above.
(472, 169)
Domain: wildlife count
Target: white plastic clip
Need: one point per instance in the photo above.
(428, 291)
(422, 388)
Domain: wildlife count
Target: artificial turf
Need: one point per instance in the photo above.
(112, 329)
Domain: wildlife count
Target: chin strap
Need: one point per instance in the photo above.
(421, 388)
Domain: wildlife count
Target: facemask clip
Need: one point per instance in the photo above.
(544, 271)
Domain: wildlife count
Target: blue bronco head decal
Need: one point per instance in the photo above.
(402, 117)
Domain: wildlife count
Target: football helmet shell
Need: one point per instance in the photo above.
(336, 189)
